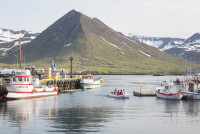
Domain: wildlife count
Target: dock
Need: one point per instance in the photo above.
(64, 85)
(144, 93)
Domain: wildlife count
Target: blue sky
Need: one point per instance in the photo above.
(160, 18)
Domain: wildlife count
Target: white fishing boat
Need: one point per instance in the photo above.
(89, 81)
(187, 95)
(168, 92)
(23, 85)
(120, 95)
(190, 90)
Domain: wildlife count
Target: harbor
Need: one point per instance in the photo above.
(85, 112)
(69, 67)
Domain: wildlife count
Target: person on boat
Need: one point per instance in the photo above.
(118, 92)
(124, 92)
(115, 91)
(121, 92)
(177, 81)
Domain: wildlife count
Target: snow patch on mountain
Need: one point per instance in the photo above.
(156, 44)
(145, 53)
(16, 44)
(161, 43)
(7, 35)
(10, 39)
(123, 53)
(110, 43)
(68, 45)
(123, 44)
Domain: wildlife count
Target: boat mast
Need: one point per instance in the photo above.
(20, 66)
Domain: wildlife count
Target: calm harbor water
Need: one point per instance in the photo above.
(91, 111)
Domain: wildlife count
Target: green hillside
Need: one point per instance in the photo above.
(95, 47)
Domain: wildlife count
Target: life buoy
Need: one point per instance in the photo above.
(34, 90)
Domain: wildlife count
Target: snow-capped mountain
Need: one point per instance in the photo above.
(162, 43)
(189, 49)
(185, 48)
(192, 43)
(9, 39)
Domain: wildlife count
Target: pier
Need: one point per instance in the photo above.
(144, 93)
(64, 85)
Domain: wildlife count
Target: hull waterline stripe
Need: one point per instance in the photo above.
(30, 92)
(167, 94)
(19, 84)
(18, 92)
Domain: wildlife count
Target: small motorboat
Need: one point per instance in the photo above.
(168, 92)
(119, 95)
(89, 82)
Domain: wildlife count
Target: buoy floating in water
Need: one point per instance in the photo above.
(102, 81)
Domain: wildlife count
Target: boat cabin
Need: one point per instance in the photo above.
(88, 77)
(20, 80)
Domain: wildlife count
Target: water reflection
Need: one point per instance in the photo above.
(192, 107)
(90, 111)
(77, 120)
(20, 112)
(172, 106)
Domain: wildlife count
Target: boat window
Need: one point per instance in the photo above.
(11, 80)
(19, 79)
(25, 79)
(166, 87)
(14, 79)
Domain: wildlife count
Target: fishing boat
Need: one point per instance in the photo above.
(22, 85)
(187, 95)
(168, 92)
(190, 90)
(120, 95)
(88, 82)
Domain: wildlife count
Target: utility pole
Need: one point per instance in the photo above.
(20, 66)
(71, 59)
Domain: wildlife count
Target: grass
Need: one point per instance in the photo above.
(94, 54)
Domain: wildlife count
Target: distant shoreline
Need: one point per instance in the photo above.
(133, 74)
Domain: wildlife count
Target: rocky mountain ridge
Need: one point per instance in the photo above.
(184, 48)
(9, 39)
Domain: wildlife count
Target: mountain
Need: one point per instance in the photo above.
(189, 49)
(95, 47)
(9, 39)
(162, 43)
(183, 48)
